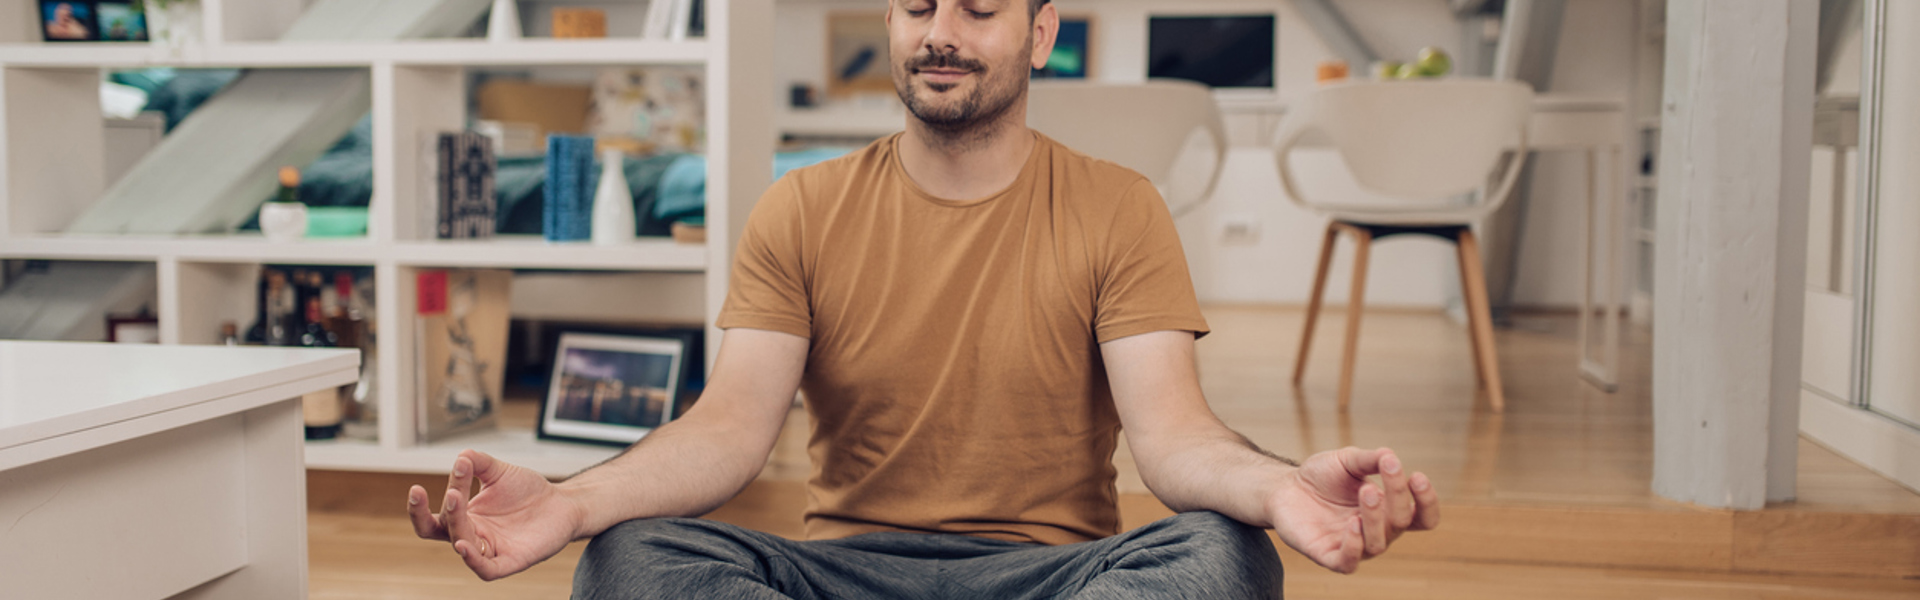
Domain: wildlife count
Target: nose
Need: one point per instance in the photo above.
(941, 35)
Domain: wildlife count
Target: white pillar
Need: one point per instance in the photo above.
(1736, 129)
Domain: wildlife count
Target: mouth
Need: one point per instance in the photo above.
(943, 75)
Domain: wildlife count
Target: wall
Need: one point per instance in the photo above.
(1275, 264)
(1595, 58)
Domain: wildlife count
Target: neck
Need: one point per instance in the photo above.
(964, 164)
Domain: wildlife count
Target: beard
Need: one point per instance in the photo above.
(993, 93)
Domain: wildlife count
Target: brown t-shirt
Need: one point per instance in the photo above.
(954, 376)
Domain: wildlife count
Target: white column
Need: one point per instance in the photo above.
(1730, 270)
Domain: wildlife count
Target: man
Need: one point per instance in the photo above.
(973, 311)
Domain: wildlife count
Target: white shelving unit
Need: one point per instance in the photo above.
(51, 169)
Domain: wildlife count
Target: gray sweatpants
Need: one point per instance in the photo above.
(1191, 555)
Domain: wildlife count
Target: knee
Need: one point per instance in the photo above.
(637, 554)
(1240, 552)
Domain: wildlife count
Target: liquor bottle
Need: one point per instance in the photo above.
(322, 410)
(314, 332)
(257, 333)
(340, 320)
(279, 311)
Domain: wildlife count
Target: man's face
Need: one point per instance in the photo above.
(959, 63)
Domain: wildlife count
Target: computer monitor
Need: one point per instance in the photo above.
(1221, 51)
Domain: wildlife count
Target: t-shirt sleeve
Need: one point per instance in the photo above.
(768, 288)
(1145, 286)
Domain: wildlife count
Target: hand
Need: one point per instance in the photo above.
(518, 518)
(1328, 511)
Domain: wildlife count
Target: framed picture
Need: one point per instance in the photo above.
(610, 389)
(1072, 50)
(119, 21)
(857, 54)
(68, 21)
(138, 329)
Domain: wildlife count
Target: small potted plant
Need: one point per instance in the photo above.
(172, 24)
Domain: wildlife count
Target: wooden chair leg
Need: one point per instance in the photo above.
(1473, 338)
(1479, 317)
(1313, 302)
(1362, 244)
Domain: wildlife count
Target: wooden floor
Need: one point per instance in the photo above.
(1560, 477)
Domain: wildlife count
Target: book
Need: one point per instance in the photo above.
(566, 215)
(682, 20)
(462, 356)
(659, 20)
(465, 172)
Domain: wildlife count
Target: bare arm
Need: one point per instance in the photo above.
(684, 468)
(1326, 509)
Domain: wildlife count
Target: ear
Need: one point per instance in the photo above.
(1046, 28)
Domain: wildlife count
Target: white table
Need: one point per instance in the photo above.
(136, 471)
(1598, 127)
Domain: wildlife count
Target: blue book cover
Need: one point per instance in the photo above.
(567, 214)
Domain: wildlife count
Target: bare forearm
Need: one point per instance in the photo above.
(686, 468)
(1214, 469)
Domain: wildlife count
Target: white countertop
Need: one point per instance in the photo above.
(50, 389)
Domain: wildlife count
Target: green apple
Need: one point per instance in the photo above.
(1409, 71)
(1433, 62)
(1385, 70)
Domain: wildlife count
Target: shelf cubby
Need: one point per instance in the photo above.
(50, 149)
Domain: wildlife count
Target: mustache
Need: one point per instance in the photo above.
(943, 61)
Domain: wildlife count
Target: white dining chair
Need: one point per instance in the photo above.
(1168, 130)
(1419, 146)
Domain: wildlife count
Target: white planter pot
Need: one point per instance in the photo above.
(283, 221)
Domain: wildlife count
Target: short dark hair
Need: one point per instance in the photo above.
(1033, 8)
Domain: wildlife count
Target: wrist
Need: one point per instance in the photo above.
(573, 499)
(1274, 488)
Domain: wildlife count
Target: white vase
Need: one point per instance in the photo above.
(613, 201)
(503, 24)
(283, 221)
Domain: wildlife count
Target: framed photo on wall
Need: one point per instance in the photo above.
(609, 389)
(68, 21)
(120, 21)
(1072, 50)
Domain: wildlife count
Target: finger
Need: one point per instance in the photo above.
(454, 517)
(1426, 500)
(482, 565)
(1400, 504)
(461, 478)
(1359, 463)
(1373, 519)
(425, 524)
(1352, 549)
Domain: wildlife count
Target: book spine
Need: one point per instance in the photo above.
(550, 192)
(446, 191)
(682, 20)
(486, 198)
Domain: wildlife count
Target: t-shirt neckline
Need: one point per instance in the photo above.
(1026, 174)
